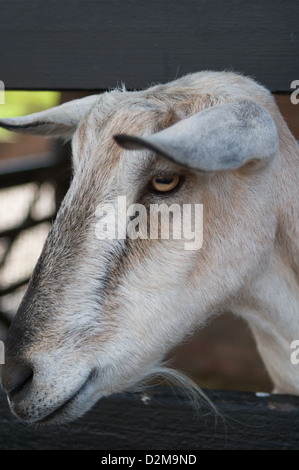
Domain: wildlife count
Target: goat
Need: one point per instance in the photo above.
(99, 316)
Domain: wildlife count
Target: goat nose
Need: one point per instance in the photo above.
(15, 378)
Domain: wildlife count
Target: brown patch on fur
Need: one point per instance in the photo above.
(169, 119)
(197, 103)
(81, 136)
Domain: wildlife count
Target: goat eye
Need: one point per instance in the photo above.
(164, 184)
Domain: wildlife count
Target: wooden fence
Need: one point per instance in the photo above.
(166, 421)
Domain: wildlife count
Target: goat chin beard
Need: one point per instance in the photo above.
(177, 378)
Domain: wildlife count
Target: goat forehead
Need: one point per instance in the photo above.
(121, 110)
(137, 113)
(93, 144)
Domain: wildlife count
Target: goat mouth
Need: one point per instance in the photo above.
(61, 412)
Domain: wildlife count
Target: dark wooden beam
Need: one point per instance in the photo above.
(97, 44)
(166, 422)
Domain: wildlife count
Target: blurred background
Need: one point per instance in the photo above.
(34, 176)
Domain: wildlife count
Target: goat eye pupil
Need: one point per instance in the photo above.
(163, 184)
(164, 180)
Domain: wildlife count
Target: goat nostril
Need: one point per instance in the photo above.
(21, 376)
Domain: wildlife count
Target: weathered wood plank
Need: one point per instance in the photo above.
(166, 422)
(96, 44)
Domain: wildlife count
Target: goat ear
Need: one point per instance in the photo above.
(60, 121)
(223, 137)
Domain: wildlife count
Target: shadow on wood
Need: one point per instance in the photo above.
(166, 421)
(103, 43)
